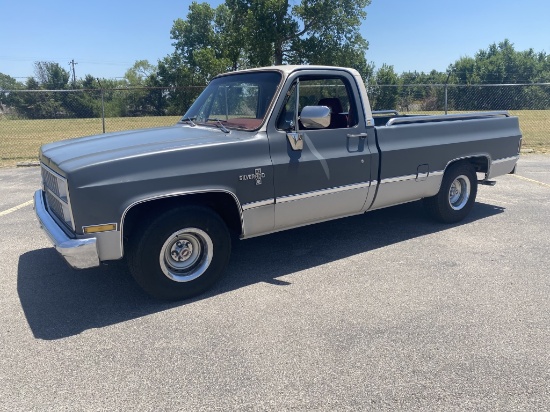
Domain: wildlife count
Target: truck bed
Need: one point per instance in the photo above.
(416, 150)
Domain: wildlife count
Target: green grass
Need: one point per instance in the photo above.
(535, 127)
(20, 139)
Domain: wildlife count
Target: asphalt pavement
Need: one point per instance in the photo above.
(384, 311)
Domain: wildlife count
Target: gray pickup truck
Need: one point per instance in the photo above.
(259, 151)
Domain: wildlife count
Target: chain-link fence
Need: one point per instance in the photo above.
(30, 118)
(530, 102)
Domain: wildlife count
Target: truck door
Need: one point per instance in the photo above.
(319, 173)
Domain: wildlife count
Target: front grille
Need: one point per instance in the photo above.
(57, 196)
(55, 205)
(50, 180)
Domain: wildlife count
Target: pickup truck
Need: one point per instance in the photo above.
(259, 151)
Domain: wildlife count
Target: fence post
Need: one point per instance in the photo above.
(449, 72)
(103, 109)
(445, 98)
(102, 105)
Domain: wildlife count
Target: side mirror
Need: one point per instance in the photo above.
(315, 117)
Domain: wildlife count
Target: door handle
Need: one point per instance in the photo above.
(358, 135)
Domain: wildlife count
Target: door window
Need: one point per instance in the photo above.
(313, 91)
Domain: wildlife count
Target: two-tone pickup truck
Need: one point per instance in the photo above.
(259, 151)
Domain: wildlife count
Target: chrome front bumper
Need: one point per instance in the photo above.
(79, 253)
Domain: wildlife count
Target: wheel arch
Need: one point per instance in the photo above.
(457, 190)
(224, 203)
(480, 162)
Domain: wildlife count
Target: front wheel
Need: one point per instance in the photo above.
(181, 253)
(456, 195)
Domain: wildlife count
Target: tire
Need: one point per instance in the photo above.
(180, 254)
(456, 196)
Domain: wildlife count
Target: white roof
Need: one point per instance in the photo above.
(288, 69)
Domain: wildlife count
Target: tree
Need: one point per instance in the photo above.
(8, 100)
(248, 33)
(311, 31)
(179, 78)
(385, 98)
(35, 104)
(145, 98)
(40, 105)
(86, 102)
(421, 91)
(207, 43)
(8, 83)
(501, 64)
(51, 76)
(139, 73)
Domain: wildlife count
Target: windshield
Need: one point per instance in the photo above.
(237, 101)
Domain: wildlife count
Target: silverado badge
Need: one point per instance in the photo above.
(257, 175)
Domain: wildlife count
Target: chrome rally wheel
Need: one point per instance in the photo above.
(180, 253)
(186, 254)
(456, 195)
(459, 192)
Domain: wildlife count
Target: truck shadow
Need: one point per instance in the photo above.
(59, 302)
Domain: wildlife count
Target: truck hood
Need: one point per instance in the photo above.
(74, 154)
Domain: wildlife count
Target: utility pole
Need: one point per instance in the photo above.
(72, 63)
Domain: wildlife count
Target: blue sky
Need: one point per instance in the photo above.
(105, 38)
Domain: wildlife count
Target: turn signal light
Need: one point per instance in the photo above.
(99, 228)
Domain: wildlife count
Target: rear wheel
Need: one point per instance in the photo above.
(456, 195)
(181, 253)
